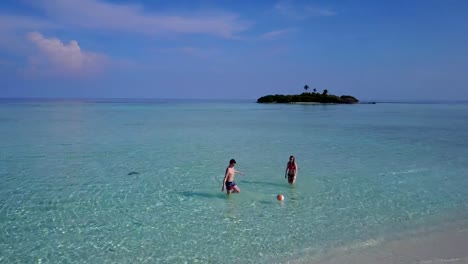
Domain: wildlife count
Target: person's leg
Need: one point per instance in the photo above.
(294, 180)
(290, 179)
(236, 189)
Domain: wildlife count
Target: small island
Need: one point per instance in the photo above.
(309, 98)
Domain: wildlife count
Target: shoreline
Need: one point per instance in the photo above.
(318, 103)
(312, 103)
(446, 243)
(305, 103)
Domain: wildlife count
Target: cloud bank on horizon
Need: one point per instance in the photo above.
(189, 49)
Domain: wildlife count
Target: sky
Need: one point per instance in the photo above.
(231, 49)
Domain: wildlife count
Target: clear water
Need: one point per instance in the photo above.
(136, 182)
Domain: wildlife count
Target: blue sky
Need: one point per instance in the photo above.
(375, 50)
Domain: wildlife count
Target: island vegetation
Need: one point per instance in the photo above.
(309, 97)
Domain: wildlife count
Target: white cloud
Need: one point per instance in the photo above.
(277, 33)
(55, 57)
(290, 10)
(52, 56)
(96, 14)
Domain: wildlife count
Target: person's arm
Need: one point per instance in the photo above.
(239, 172)
(224, 181)
(286, 171)
(297, 169)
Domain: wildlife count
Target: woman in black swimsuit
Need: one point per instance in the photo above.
(291, 170)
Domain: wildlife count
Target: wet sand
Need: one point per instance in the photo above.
(444, 246)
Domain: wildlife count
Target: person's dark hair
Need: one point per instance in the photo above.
(232, 161)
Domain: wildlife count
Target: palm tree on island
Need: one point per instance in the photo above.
(306, 87)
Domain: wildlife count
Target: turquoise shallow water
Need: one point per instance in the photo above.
(135, 182)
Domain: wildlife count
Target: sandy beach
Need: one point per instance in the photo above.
(447, 245)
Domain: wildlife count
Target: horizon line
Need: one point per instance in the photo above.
(228, 99)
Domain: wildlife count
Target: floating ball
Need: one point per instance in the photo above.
(280, 197)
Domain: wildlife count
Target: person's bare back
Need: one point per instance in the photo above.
(228, 181)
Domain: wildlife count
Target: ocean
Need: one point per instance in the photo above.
(139, 181)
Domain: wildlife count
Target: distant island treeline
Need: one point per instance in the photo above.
(309, 97)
